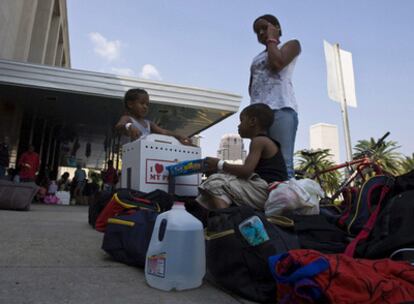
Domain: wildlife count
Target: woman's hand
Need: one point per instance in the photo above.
(211, 164)
(273, 32)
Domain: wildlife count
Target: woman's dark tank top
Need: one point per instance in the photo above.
(274, 168)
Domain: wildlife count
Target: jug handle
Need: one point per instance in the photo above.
(162, 229)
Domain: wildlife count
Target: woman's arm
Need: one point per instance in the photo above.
(279, 58)
(244, 171)
(250, 85)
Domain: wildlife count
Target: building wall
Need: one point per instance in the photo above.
(231, 148)
(35, 31)
(325, 136)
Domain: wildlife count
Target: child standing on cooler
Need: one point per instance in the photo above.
(134, 124)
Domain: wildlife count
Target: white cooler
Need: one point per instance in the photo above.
(144, 162)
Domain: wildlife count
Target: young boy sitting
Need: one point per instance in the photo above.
(134, 124)
(246, 184)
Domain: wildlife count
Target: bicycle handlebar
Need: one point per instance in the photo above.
(380, 141)
(371, 150)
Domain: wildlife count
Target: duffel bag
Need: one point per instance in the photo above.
(17, 196)
(316, 232)
(127, 236)
(239, 242)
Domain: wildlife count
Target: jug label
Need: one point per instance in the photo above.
(156, 265)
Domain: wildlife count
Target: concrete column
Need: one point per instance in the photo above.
(64, 62)
(65, 34)
(42, 138)
(15, 128)
(59, 49)
(53, 40)
(22, 45)
(9, 24)
(40, 31)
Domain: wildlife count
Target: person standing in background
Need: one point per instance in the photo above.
(109, 177)
(271, 83)
(29, 164)
(79, 182)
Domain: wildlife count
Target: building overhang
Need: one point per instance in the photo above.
(94, 99)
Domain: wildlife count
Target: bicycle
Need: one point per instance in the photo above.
(358, 168)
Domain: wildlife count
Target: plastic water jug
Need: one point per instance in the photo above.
(176, 257)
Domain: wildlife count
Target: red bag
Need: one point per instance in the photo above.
(307, 276)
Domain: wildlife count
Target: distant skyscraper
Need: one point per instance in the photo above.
(231, 148)
(325, 136)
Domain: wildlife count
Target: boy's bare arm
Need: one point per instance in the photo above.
(244, 171)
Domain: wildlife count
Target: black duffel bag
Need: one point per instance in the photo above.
(236, 265)
(317, 233)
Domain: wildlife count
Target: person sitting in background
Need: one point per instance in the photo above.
(246, 184)
(63, 182)
(28, 164)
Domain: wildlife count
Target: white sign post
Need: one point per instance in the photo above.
(341, 85)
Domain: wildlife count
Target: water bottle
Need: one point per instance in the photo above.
(176, 254)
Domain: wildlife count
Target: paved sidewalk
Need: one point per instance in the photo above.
(51, 255)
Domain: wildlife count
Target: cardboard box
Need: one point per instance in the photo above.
(144, 164)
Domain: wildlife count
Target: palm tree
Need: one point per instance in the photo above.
(385, 154)
(313, 161)
(407, 164)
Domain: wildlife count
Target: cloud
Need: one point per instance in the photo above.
(150, 72)
(123, 71)
(109, 50)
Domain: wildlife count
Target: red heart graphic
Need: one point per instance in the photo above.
(159, 168)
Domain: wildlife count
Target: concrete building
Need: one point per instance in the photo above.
(231, 148)
(68, 114)
(325, 136)
(35, 31)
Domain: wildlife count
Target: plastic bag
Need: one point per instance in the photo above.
(300, 196)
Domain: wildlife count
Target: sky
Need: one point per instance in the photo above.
(210, 44)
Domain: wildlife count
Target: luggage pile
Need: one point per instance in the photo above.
(361, 253)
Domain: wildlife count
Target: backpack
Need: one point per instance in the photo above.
(233, 262)
(308, 276)
(393, 229)
(124, 199)
(404, 182)
(127, 236)
(370, 196)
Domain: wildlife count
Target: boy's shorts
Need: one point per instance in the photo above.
(232, 189)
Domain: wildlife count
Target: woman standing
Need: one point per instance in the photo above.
(271, 83)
